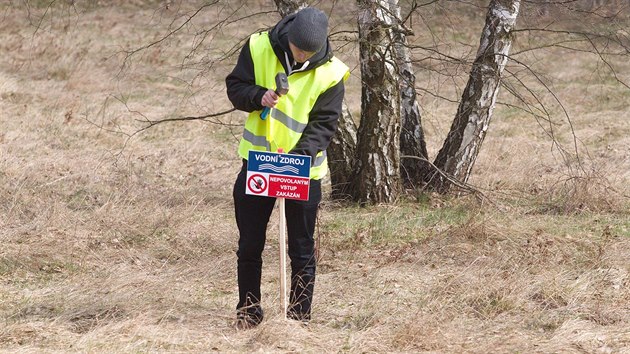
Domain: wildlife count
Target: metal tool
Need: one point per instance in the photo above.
(282, 88)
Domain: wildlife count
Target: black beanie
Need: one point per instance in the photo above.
(309, 29)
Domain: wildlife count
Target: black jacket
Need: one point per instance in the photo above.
(245, 95)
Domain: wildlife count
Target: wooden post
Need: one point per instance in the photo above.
(283, 254)
(283, 258)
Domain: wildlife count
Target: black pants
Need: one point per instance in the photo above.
(252, 217)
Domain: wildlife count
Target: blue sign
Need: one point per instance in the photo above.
(278, 175)
(279, 164)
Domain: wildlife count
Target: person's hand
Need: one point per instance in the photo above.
(269, 99)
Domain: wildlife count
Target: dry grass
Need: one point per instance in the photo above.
(119, 243)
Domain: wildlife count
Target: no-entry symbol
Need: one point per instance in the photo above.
(257, 183)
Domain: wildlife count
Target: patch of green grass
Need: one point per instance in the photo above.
(59, 73)
(83, 199)
(622, 229)
(510, 114)
(46, 4)
(448, 215)
(360, 320)
(7, 267)
(546, 322)
(36, 311)
(586, 225)
(387, 225)
(491, 304)
(38, 270)
(158, 235)
(17, 97)
(166, 80)
(610, 94)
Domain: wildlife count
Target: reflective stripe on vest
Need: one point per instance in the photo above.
(286, 122)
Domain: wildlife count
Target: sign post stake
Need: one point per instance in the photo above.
(283, 258)
(283, 255)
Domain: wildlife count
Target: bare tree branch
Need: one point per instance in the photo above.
(152, 123)
(462, 187)
(131, 53)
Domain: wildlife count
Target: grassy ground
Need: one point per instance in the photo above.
(121, 242)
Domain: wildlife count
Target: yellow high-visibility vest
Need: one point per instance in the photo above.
(288, 119)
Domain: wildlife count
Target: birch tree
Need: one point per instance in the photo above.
(286, 7)
(468, 130)
(412, 141)
(377, 176)
(341, 155)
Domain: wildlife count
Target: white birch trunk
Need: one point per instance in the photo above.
(377, 174)
(457, 156)
(287, 7)
(412, 141)
(342, 155)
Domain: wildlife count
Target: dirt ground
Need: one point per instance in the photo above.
(118, 239)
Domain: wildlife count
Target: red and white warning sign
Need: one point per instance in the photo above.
(278, 175)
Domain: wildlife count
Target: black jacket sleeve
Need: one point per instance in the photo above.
(322, 122)
(242, 90)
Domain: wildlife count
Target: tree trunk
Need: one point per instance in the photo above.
(341, 156)
(412, 144)
(377, 174)
(460, 150)
(287, 7)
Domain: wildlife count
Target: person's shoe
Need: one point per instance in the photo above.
(303, 318)
(245, 320)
